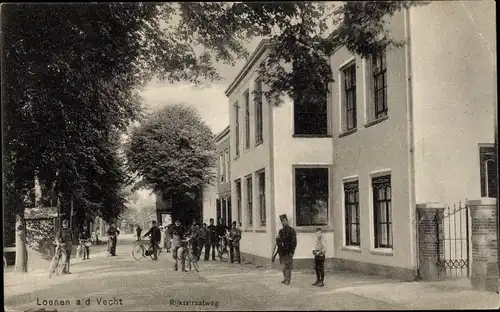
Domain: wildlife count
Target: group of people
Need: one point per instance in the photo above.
(209, 237)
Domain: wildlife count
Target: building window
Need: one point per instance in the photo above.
(310, 118)
(238, 199)
(379, 72)
(382, 211)
(218, 209)
(226, 165)
(351, 197)
(247, 120)
(311, 196)
(222, 172)
(349, 97)
(262, 198)
(258, 112)
(237, 132)
(488, 171)
(249, 201)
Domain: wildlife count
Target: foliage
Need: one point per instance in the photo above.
(300, 37)
(139, 214)
(172, 151)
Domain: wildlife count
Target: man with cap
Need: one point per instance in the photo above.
(286, 242)
(178, 232)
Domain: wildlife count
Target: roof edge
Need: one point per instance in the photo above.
(222, 134)
(261, 47)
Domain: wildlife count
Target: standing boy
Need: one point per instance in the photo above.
(213, 240)
(319, 258)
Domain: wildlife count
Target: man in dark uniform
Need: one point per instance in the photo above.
(155, 239)
(286, 242)
(213, 240)
(222, 230)
(139, 231)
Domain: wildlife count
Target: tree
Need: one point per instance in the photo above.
(172, 151)
(71, 73)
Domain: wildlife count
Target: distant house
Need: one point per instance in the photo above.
(223, 183)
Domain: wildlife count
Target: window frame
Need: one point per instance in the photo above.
(249, 199)
(237, 186)
(222, 173)
(237, 129)
(311, 225)
(305, 131)
(226, 165)
(376, 73)
(349, 95)
(349, 187)
(259, 117)
(246, 95)
(385, 182)
(486, 156)
(261, 177)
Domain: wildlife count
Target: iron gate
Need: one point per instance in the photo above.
(454, 241)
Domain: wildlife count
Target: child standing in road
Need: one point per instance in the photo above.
(319, 258)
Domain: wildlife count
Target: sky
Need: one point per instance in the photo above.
(208, 99)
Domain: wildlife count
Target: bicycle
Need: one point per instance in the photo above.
(58, 261)
(189, 252)
(139, 251)
(222, 249)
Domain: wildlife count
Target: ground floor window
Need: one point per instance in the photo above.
(351, 205)
(488, 171)
(382, 211)
(311, 196)
(249, 201)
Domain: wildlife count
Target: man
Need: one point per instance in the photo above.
(221, 229)
(195, 235)
(112, 233)
(85, 237)
(139, 231)
(154, 240)
(234, 243)
(64, 240)
(177, 232)
(286, 242)
(168, 237)
(213, 240)
(203, 240)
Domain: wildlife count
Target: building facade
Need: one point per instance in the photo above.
(223, 183)
(281, 163)
(412, 126)
(408, 126)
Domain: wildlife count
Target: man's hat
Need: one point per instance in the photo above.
(283, 217)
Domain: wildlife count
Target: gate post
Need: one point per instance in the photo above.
(430, 229)
(484, 244)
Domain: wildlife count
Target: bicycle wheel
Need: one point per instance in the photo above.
(138, 252)
(53, 266)
(222, 252)
(157, 255)
(60, 265)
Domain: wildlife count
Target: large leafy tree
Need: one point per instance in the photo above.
(172, 151)
(71, 72)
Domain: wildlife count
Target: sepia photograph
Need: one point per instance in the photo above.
(250, 156)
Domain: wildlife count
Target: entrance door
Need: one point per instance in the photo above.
(488, 171)
(229, 212)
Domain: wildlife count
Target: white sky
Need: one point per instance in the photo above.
(208, 99)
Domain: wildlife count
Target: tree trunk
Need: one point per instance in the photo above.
(21, 250)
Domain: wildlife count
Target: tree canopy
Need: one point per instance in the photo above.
(171, 151)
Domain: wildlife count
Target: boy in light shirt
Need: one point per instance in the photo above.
(319, 258)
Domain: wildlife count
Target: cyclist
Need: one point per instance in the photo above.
(222, 230)
(64, 242)
(154, 240)
(178, 233)
(112, 233)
